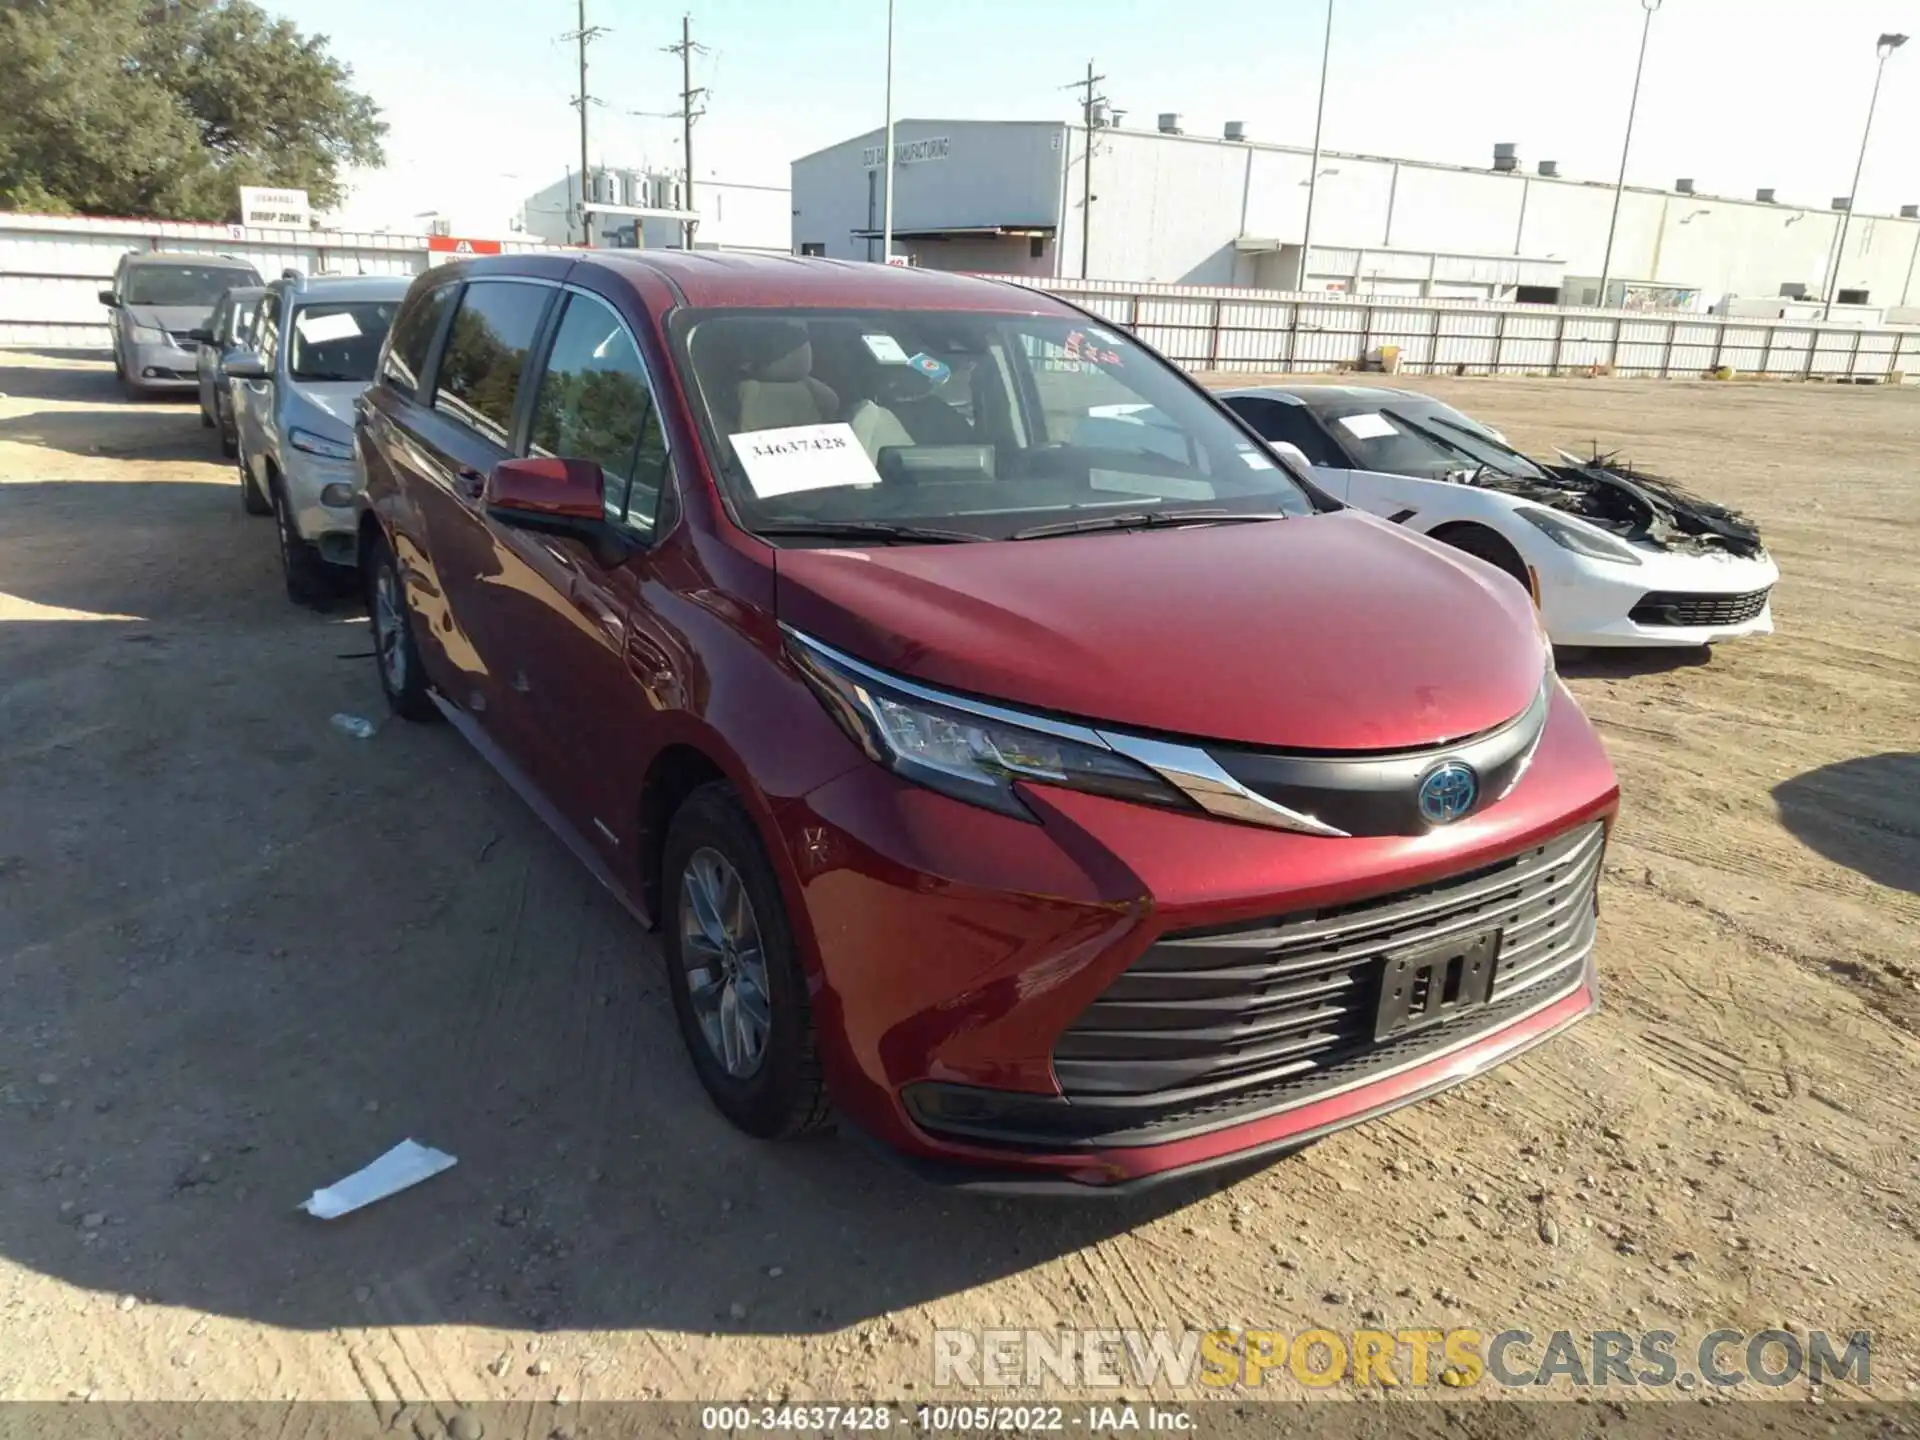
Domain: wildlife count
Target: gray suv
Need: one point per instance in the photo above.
(158, 299)
(316, 343)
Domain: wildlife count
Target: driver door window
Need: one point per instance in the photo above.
(594, 404)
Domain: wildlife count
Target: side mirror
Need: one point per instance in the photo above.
(201, 336)
(244, 365)
(562, 497)
(558, 497)
(1292, 454)
(109, 299)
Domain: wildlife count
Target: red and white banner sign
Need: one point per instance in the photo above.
(451, 247)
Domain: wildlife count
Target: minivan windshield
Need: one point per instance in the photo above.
(1402, 435)
(182, 285)
(338, 339)
(973, 424)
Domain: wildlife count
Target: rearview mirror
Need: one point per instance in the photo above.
(244, 365)
(109, 299)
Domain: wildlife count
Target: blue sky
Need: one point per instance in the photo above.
(1738, 93)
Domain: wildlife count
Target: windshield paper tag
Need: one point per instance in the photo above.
(803, 457)
(318, 329)
(1256, 461)
(1368, 427)
(885, 349)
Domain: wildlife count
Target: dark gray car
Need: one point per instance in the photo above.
(158, 299)
(229, 333)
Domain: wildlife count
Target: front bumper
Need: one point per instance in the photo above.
(954, 948)
(321, 493)
(1594, 602)
(163, 366)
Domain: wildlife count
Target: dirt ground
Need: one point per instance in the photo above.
(241, 953)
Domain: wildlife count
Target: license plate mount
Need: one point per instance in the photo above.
(1427, 985)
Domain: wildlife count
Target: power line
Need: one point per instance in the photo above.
(1088, 101)
(584, 36)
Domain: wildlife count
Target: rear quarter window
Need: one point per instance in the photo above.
(413, 335)
(485, 355)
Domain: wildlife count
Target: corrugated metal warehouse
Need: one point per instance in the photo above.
(1008, 197)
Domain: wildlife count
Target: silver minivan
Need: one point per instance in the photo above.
(316, 342)
(158, 298)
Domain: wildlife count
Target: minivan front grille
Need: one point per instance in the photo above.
(1258, 1015)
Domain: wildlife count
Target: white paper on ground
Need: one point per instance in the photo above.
(803, 457)
(406, 1164)
(318, 329)
(1368, 427)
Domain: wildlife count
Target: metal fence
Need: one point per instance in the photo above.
(52, 267)
(1259, 330)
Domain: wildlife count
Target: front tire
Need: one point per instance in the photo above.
(1490, 546)
(308, 582)
(738, 988)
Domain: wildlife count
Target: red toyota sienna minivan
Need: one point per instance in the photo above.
(1014, 756)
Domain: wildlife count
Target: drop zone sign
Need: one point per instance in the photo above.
(275, 209)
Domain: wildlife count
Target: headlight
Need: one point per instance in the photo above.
(1582, 539)
(964, 748)
(147, 335)
(319, 444)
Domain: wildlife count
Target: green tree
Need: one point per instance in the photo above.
(127, 107)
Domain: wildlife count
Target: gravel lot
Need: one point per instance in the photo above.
(242, 953)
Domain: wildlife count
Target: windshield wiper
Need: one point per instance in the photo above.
(865, 530)
(1144, 520)
(1499, 445)
(327, 375)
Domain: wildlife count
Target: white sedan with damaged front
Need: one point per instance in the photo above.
(1612, 556)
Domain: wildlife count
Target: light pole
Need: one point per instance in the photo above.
(1313, 174)
(886, 156)
(1626, 147)
(1884, 47)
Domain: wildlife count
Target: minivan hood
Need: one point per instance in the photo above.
(174, 319)
(1331, 632)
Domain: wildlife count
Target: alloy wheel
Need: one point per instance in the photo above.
(390, 628)
(725, 961)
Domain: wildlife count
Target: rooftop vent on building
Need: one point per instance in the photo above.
(1765, 197)
(1910, 212)
(1841, 202)
(1550, 168)
(1506, 158)
(1683, 186)
(1170, 123)
(1235, 130)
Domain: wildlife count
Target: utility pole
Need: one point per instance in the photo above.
(1626, 147)
(1088, 100)
(689, 92)
(1883, 47)
(584, 37)
(1313, 170)
(886, 156)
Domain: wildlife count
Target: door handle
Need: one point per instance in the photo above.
(647, 660)
(469, 483)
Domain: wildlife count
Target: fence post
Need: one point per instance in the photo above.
(1766, 354)
(1366, 336)
(1500, 343)
(1559, 337)
(1666, 351)
(1853, 358)
(1433, 352)
(1719, 347)
(1213, 355)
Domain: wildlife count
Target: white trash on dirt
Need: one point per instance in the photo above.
(406, 1164)
(356, 726)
